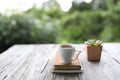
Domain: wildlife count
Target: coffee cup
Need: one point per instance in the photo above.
(67, 52)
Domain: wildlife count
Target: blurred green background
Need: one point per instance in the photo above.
(95, 20)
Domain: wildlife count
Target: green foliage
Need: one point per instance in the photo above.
(80, 26)
(14, 29)
(93, 42)
(25, 29)
(81, 23)
(43, 33)
(100, 4)
(81, 6)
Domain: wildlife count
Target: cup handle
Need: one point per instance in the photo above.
(76, 55)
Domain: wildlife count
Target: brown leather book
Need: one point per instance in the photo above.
(58, 65)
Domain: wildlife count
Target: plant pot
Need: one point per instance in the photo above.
(94, 53)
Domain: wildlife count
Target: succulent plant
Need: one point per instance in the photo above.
(93, 42)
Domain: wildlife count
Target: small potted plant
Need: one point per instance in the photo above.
(94, 49)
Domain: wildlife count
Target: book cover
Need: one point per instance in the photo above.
(58, 65)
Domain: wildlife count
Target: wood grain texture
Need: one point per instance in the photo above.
(24, 62)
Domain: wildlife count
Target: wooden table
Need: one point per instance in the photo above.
(24, 62)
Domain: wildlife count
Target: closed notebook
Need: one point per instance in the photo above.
(58, 65)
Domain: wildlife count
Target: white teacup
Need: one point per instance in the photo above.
(67, 52)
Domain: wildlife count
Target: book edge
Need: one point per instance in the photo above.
(67, 71)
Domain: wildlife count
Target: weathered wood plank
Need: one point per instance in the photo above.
(14, 62)
(23, 63)
(112, 53)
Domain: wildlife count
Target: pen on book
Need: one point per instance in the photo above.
(44, 65)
